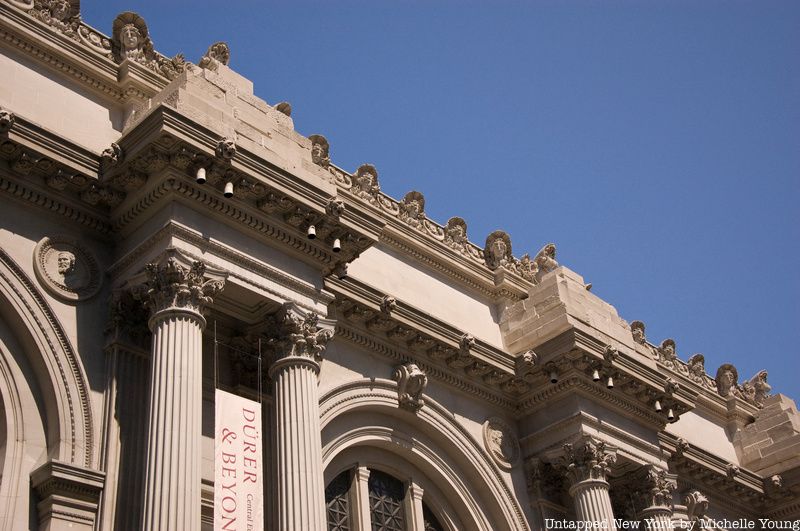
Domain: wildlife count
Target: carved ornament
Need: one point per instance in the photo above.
(637, 331)
(295, 333)
(174, 283)
(217, 54)
(412, 209)
(66, 268)
(226, 149)
(500, 442)
(411, 383)
(365, 183)
(320, 151)
(586, 460)
(696, 505)
(497, 251)
(7, 120)
(131, 41)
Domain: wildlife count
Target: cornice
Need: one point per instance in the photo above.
(61, 154)
(29, 194)
(580, 363)
(404, 314)
(76, 58)
(712, 472)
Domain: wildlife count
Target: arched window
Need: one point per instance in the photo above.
(337, 500)
(378, 501)
(386, 502)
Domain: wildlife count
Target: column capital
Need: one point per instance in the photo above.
(587, 459)
(176, 284)
(655, 488)
(297, 336)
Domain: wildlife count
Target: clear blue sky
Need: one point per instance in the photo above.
(656, 143)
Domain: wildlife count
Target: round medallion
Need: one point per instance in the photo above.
(66, 268)
(500, 442)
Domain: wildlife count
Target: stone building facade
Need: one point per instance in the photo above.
(163, 230)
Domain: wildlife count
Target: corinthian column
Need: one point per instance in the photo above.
(299, 339)
(586, 465)
(656, 497)
(176, 292)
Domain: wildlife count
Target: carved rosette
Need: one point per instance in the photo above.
(174, 284)
(500, 442)
(411, 383)
(297, 336)
(588, 460)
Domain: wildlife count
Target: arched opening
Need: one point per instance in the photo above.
(364, 429)
(390, 503)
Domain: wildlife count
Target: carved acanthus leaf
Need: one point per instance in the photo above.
(296, 333)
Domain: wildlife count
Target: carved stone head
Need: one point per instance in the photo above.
(65, 263)
(412, 208)
(637, 330)
(61, 10)
(320, 150)
(544, 261)
(696, 366)
(667, 350)
(497, 251)
(130, 37)
(727, 380)
(456, 231)
(365, 181)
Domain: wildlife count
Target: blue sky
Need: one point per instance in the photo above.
(656, 143)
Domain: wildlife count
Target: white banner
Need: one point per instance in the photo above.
(238, 480)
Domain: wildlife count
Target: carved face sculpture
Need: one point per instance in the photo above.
(318, 153)
(60, 9)
(499, 250)
(365, 180)
(638, 334)
(65, 263)
(129, 37)
(501, 443)
(413, 209)
(456, 233)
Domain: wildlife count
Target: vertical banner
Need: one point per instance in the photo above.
(238, 480)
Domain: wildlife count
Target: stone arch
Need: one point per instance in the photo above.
(59, 375)
(365, 415)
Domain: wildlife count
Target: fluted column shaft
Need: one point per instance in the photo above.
(301, 492)
(298, 342)
(593, 502)
(656, 518)
(175, 291)
(172, 484)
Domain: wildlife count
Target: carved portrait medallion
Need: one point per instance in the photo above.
(66, 268)
(500, 442)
